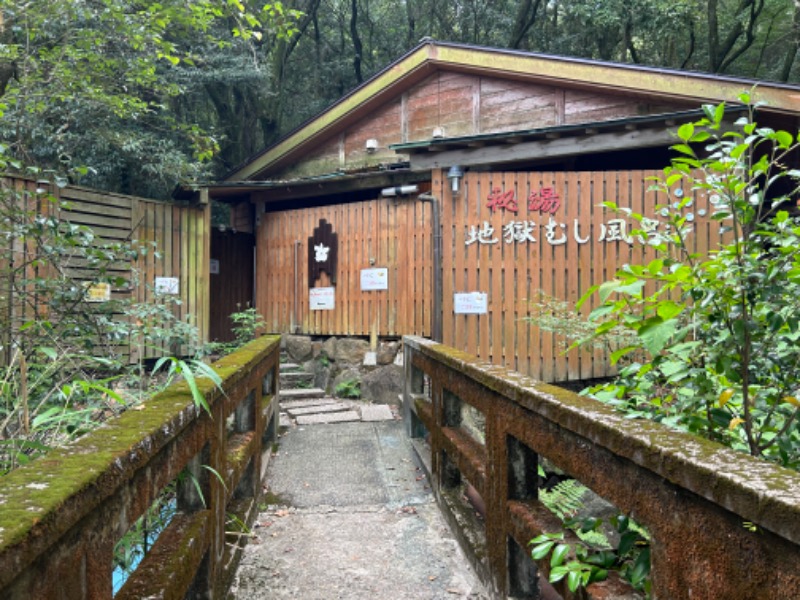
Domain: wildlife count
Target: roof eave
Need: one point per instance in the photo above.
(430, 56)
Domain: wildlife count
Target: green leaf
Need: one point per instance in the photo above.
(559, 555)
(542, 550)
(719, 113)
(607, 288)
(48, 352)
(669, 309)
(684, 149)
(686, 131)
(617, 354)
(784, 139)
(627, 541)
(574, 581)
(656, 334)
(632, 288)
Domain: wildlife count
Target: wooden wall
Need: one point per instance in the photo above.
(231, 288)
(462, 105)
(177, 237)
(181, 234)
(584, 248)
(395, 234)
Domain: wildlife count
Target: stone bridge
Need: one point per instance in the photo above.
(720, 524)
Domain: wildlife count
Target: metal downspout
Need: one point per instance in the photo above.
(294, 326)
(436, 316)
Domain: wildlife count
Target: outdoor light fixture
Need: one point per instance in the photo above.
(438, 133)
(371, 145)
(454, 175)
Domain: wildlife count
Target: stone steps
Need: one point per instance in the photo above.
(296, 379)
(302, 406)
(300, 393)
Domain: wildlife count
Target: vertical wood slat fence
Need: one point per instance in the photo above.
(179, 233)
(560, 253)
(384, 233)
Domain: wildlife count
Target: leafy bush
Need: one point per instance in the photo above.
(719, 334)
(247, 323)
(63, 370)
(349, 389)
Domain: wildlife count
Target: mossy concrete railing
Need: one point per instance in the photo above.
(61, 516)
(722, 524)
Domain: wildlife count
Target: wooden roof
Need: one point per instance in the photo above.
(653, 84)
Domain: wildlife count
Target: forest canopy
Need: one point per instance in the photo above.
(137, 96)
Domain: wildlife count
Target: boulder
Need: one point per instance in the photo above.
(387, 352)
(329, 348)
(383, 385)
(350, 351)
(322, 372)
(299, 348)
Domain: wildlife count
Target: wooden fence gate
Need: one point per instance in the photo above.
(177, 236)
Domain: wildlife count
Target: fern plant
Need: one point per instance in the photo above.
(590, 558)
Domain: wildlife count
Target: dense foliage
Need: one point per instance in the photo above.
(145, 94)
(716, 344)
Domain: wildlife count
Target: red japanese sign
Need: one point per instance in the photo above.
(545, 200)
(500, 199)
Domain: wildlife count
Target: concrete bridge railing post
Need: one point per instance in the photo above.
(721, 524)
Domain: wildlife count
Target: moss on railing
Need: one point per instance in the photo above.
(42, 501)
(721, 521)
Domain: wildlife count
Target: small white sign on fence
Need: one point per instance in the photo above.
(213, 266)
(374, 279)
(323, 298)
(167, 285)
(471, 303)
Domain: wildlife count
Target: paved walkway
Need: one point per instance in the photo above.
(351, 516)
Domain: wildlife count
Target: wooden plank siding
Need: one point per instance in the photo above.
(462, 104)
(385, 233)
(177, 238)
(512, 273)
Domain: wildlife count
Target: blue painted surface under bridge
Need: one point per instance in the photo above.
(351, 516)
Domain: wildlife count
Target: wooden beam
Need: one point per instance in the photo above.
(330, 187)
(544, 149)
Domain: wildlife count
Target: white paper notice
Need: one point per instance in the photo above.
(374, 279)
(471, 303)
(167, 285)
(321, 298)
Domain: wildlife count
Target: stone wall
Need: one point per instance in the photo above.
(335, 360)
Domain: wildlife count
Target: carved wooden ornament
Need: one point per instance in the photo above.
(322, 253)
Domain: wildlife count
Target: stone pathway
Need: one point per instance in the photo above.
(349, 515)
(332, 410)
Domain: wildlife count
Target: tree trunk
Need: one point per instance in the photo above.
(357, 46)
(526, 17)
(793, 46)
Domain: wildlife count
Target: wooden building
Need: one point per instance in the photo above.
(358, 230)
